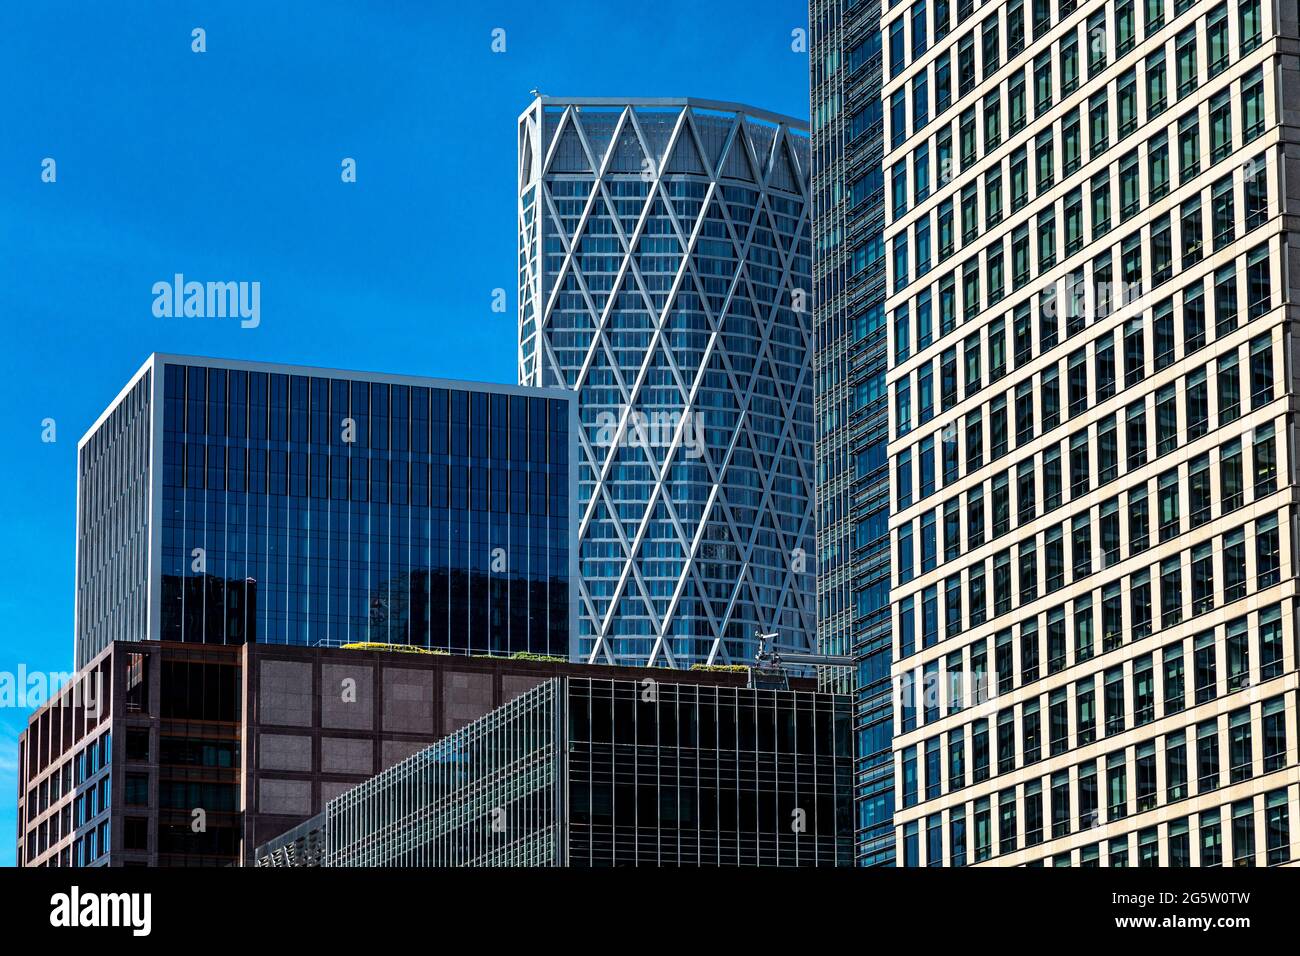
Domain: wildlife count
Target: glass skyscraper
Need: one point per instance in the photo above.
(851, 409)
(665, 278)
(587, 772)
(230, 502)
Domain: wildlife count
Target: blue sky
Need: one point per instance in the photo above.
(225, 165)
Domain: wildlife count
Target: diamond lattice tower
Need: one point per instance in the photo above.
(664, 274)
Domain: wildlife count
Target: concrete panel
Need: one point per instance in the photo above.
(347, 696)
(347, 755)
(284, 693)
(408, 700)
(466, 697)
(395, 751)
(283, 752)
(284, 796)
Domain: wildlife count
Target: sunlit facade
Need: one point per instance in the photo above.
(1092, 410)
(664, 277)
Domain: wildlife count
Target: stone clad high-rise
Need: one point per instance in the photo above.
(664, 275)
(1091, 254)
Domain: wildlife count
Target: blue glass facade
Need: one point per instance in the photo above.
(664, 277)
(850, 402)
(305, 506)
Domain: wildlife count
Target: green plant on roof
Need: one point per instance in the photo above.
(394, 648)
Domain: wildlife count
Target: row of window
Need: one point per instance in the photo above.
(1212, 392)
(1191, 582)
(983, 357)
(1257, 822)
(1232, 748)
(1186, 492)
(1058, 70)
(945, 686)
(1114, 195)
(1095, 289)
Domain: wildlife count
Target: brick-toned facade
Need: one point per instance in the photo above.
(258, 738)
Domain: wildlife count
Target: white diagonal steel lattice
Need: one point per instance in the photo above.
(664, 263)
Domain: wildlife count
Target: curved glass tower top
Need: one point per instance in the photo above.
(664, 275)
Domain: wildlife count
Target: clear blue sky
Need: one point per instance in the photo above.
(225, 166)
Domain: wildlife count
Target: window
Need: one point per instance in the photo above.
(1234, 573)
(1224, 219)
(1249, 25)
(1207, 756)
(1153, 15)
(943, 82)
(1158, 167)
(1258, 286)
(1080, 545)
(1061, 817)
(1126, 102)
(1135, 353)
(1109, 520)
(1180, 846)
(1264, 450)
(1130, 191)
(898, 119)
(1255, 178)
(1194, 306)
(1239, 743)
(1167, 419)
(1099, 124)
(1116, 786)
(1173, 679)
(1144, 773)
(1171, 592)
(1277, 827)
(1135, 434)
(1176, 765)
(1083, 630)
(1017, 112)
(1114, 701)
(1211, 838)
(1267, 553)
(1097, 42)
(1058, 721)
(1192, 229)
(1117, 851)
(992, 45)
(1033, 814)
(1273, 730)
(1220, 126)
(1216, 39)
(1189, 147)
(957, 837)
(1125, 27)
(1085, 699)
(1243, 833)
(1270, 643)
(1198, 491)
(1028, 659)
(1157, 84)
(1202, 578)
(1069, 59)
(1185, 51)
(1229, 388)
